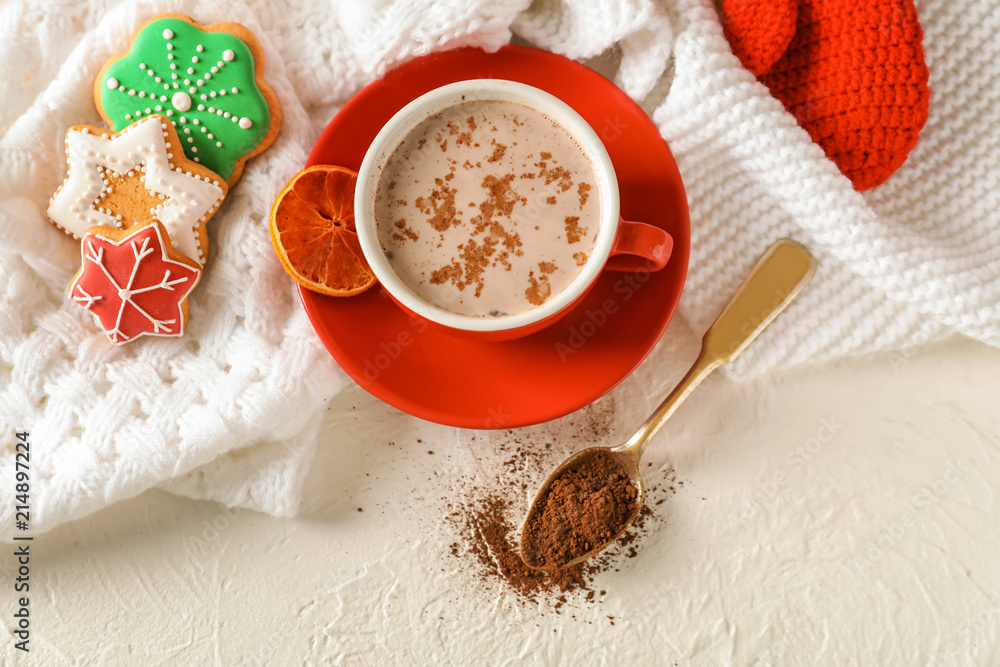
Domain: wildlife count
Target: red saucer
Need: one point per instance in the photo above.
(574, 362)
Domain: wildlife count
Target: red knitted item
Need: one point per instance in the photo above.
(853, 75)
(759, 32)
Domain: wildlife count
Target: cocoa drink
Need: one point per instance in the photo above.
(488, 208)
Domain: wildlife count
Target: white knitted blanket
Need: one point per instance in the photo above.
(230, 411)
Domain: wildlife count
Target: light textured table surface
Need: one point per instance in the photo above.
(840, 514)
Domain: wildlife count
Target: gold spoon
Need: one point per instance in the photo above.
(775, 281)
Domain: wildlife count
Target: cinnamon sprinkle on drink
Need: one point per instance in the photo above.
(513, 243)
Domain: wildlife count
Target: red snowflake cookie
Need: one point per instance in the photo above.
(133, 282)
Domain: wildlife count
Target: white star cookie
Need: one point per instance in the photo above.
(135, 176)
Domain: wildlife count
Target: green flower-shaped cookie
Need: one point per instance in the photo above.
(204, 80)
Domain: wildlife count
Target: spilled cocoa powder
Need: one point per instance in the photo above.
(493, 543)
(586, 505)
(487, 525)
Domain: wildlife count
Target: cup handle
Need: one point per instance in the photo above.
(639, 247)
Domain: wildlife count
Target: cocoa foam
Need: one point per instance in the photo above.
(487, 208)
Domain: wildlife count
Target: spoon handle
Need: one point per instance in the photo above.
(775, 281)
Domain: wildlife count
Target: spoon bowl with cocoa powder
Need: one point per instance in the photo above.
(594, 495)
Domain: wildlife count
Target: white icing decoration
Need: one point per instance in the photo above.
(168, 34)
(94, 254)
(112, 83)
(86, 300)
(181, 101)
(142, 144)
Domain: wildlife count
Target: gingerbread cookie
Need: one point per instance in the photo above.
(133, 282)
(207, 80)
(134, 176)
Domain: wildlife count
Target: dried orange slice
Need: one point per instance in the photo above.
(312, 228)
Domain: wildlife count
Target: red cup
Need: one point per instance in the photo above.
(620, 245)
